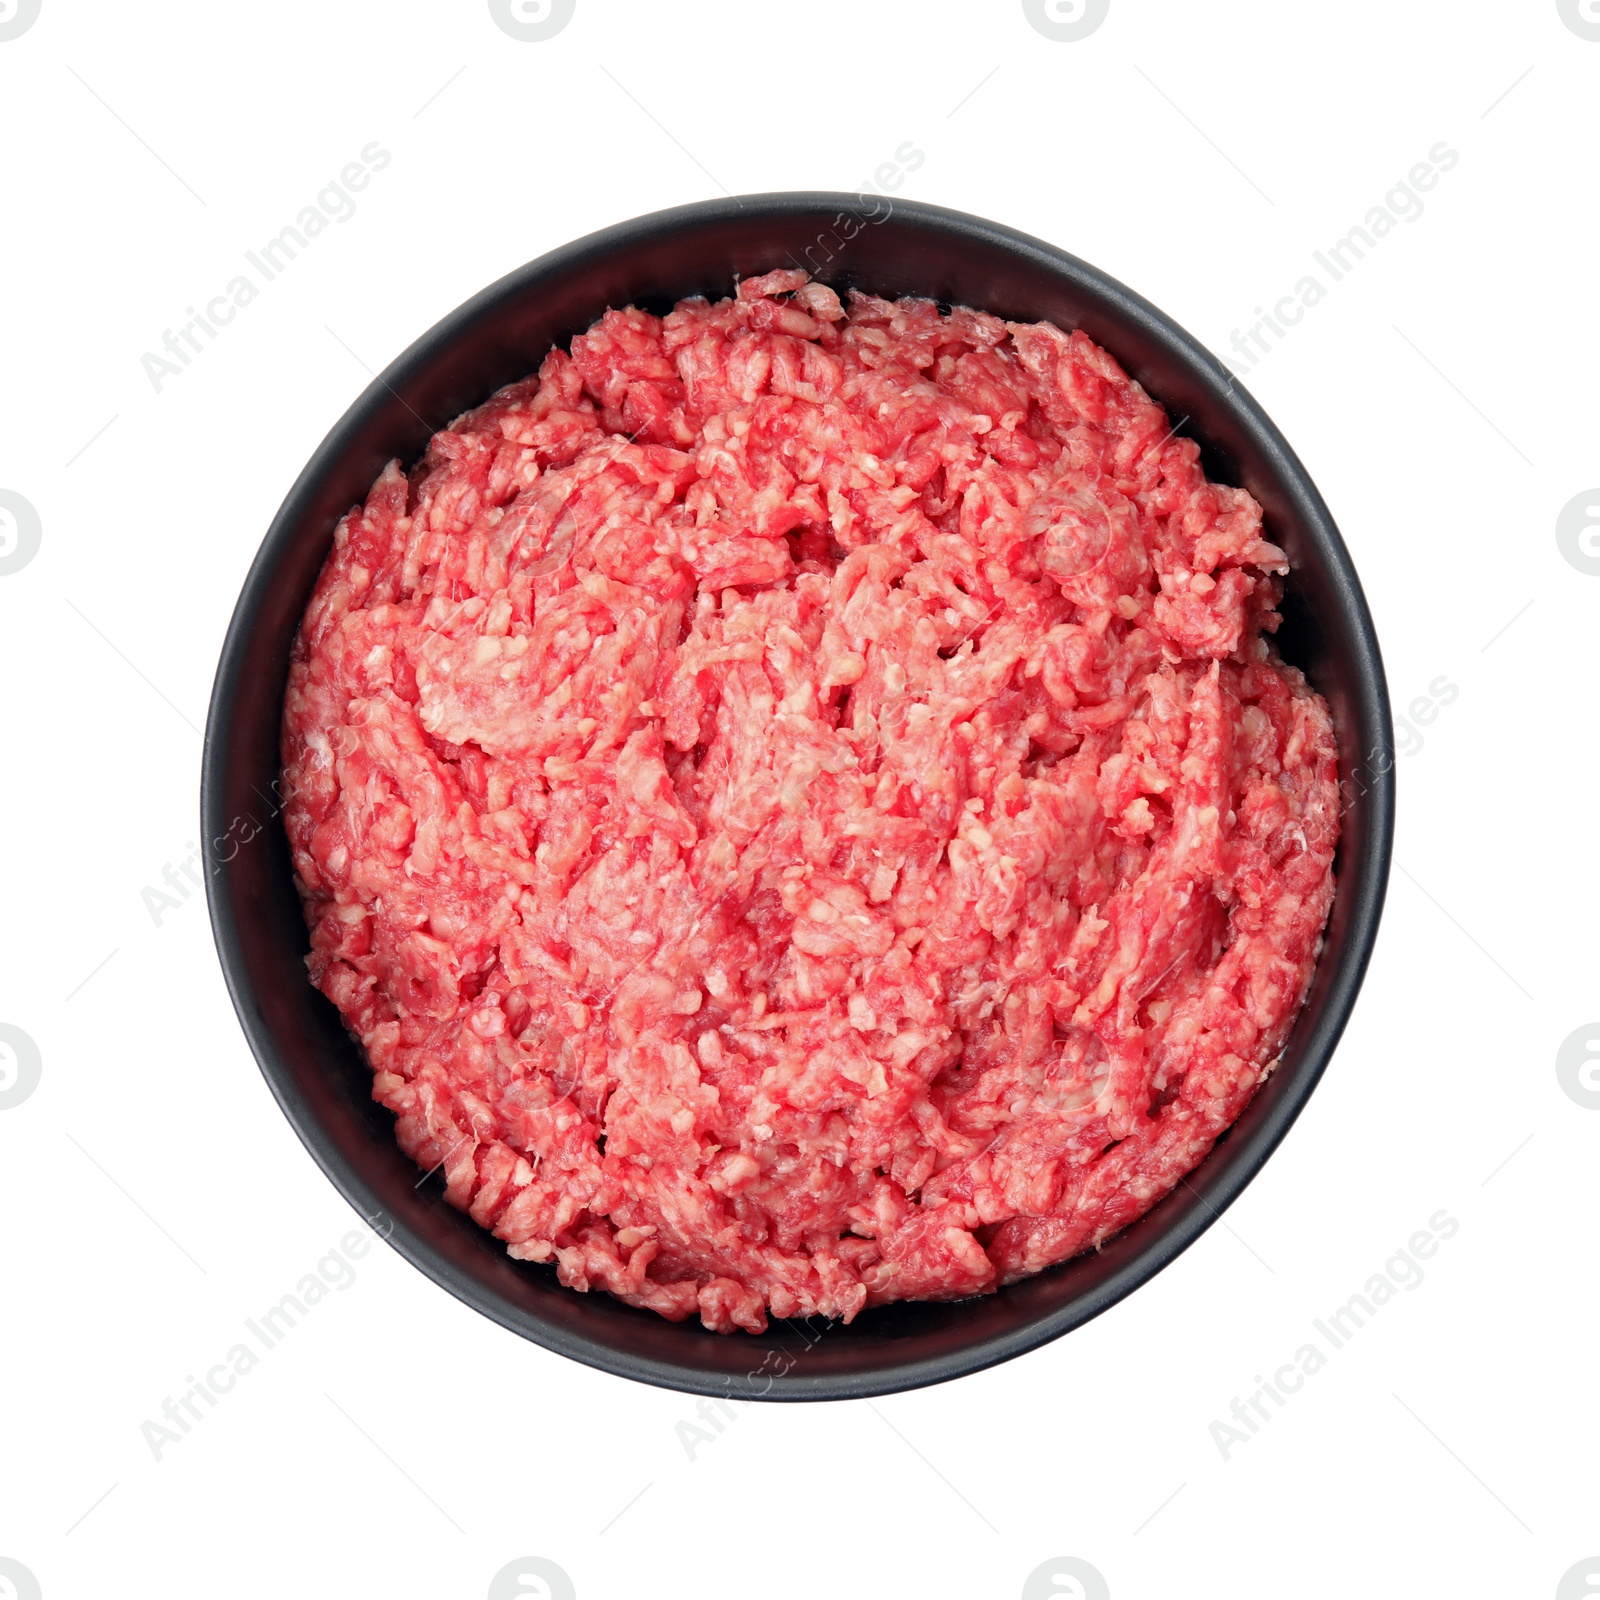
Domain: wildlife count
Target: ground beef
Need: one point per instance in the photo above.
(797, 803)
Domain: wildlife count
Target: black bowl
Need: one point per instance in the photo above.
(317, 1071)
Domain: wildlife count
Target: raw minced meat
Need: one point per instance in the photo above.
(800, 809)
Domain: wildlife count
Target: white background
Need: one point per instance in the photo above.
(397, 1443)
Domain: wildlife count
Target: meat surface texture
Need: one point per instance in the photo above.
(799, 806)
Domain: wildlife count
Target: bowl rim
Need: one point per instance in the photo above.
(1364, 879)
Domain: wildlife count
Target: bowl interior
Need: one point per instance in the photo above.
(316, 1070)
